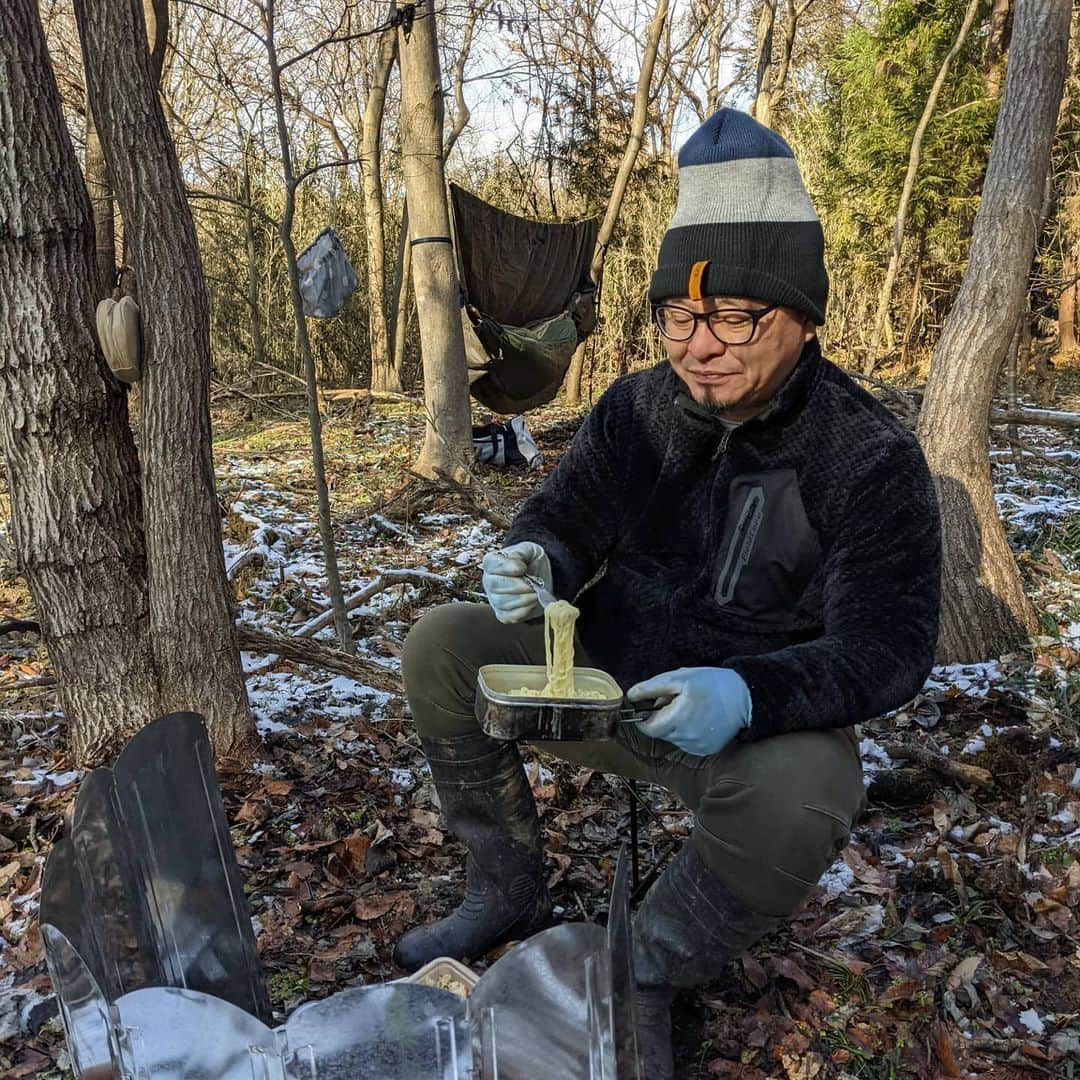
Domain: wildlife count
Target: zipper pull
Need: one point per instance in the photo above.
(721, 446)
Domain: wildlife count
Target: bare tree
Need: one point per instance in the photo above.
(900, 221)
(191, 616)
(156, 13)
(70, 459)
(384, 375)
(285, 227)
(763, 58)
(447, 448)
(622, 177)
(984, 609)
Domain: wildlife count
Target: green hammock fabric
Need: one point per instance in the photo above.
(517, 368)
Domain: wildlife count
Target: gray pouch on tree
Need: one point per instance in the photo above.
(327, 279)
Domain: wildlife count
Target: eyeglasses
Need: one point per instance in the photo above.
(730, 326)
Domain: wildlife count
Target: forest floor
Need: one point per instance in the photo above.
(944, 942)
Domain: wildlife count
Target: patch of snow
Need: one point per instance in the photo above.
(1032, 1021)
(874, 759)
(837, 879)
(403, 778)
(974, 680)
(973, 746)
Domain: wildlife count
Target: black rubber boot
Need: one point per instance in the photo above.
(687, 928)
(489, 806)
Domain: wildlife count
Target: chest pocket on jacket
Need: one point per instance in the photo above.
(769, 552)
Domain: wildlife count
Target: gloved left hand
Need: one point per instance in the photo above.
(709, 707)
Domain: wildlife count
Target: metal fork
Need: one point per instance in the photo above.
(543, 593)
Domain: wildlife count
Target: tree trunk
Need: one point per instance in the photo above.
(1067, 302)
(156, 17)
(984, 609)
(190, 602)
(996, 41)
(402, 283)
(778, 84)
(764, 44)
(70, 459)
(311, 382)
(885, 297)
(622, 179)
(101, 203)
(96, 172)
(251, 252)
(383, 374)
(447, 449)
(916, 296)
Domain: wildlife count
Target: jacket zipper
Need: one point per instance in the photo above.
(722, 445)
(742, 544)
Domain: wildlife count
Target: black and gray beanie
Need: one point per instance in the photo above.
(744, 224)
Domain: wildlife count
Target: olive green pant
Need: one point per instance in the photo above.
(771, 816)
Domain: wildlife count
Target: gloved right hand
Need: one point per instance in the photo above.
(510, 596)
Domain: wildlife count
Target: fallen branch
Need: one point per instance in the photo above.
(363, 394)
(911, 399)
(235, 391)
(1027, 451)
(245, 558)
(26, 684)
(448, 485)
(386, 579)
(303, 651)
(1036, 417)
(943, 766)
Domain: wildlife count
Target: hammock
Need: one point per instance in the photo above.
(528, 301)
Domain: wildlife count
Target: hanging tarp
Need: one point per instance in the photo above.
(515, 270)
(529, 301)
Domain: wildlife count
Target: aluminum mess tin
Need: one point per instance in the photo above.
(505, 714)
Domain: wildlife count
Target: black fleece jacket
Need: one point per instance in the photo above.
(802, 549)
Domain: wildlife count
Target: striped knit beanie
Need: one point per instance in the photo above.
(744, 224)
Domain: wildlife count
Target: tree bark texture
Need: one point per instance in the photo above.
(101, 202)
(447, 449)
(156, 17)
(984, 609)
(622, 177)
(70, 459)
(764, 49)
(399, 324)
(996, 47)
(190, 601)
(383, 374)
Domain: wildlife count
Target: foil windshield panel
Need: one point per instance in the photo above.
(148, 890)
(194, 917)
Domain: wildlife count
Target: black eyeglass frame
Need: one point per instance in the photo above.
(756, 315)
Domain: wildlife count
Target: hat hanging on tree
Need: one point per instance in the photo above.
(119, 331)
(744, 224)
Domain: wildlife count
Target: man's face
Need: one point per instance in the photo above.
(738, 380)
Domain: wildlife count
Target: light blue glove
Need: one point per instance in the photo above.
(709, 707)
(510, 596)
